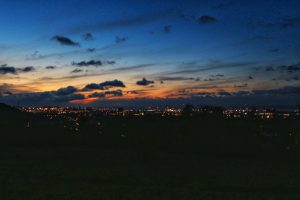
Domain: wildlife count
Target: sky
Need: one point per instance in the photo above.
(132, 52)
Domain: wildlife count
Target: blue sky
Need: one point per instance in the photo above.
(183, 49)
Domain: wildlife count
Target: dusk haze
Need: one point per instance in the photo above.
(150, 100)
(219, 52)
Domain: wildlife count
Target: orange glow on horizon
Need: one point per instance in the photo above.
(84, 101)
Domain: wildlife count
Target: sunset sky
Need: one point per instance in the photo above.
(132, 52)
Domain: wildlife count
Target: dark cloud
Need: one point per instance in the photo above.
(223, 93)
(241, 99)
(93, 86)
(50, 67)
(286, 96)
(27, 69)
(289, 95)
(104, 85)
(4, 69)
(88, 37)
(97, 94)
(289, 73)
(270, 69)
(290, 68)
(115, 93)
(144, 82)
(62, 96)
(65, 91)
(77, 71)
(294, 78)
(65, 41)
(88, 63)
(121, 39)
(94, 63)
(274, 50)
(283, 68)
(114, 83)
(167, 29)
(289, 90)
(205, 19)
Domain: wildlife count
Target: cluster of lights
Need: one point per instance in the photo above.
(71, 113)
(261, 114)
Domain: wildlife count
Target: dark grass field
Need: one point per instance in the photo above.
(195, 157)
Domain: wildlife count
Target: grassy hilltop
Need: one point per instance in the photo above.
(150, 157)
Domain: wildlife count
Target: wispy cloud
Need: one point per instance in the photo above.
(91, 50)
(174, 78)
(77, 71)
(293, 68)
(130, 21)
(107, 72)
(241, 85)
(88, 37)
(285, 23)
(192, 68)
(119, 39)
(129, 68)
(34, 56)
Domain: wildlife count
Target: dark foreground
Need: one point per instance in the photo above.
(196, 157)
